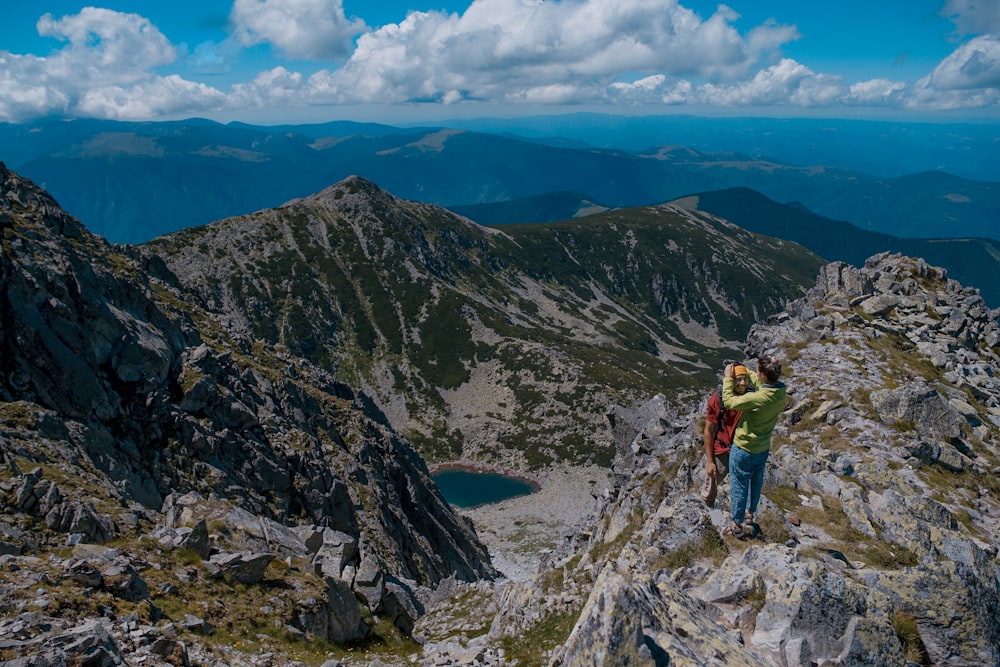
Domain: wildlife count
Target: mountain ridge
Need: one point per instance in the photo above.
(176, 488)
(122, 401)
(436, 317)
(205, 172)
(972, 261)
(880, 505)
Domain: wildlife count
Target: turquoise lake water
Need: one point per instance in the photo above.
(465, 488)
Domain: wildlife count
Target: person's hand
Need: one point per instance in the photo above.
(711, 469)
(729, 370)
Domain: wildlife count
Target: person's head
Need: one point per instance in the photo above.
(740, 379)
(769, 368)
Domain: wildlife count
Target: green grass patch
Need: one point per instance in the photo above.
(709, 546)
(533, 646)
(908, 633)
(858, 545)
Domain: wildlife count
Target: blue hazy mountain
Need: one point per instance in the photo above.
(131, 182)
(880, 148)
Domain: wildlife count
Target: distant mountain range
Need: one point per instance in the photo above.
(971, 261)
(883, 149)
(131, 182)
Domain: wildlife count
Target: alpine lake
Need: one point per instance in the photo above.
(467, 487)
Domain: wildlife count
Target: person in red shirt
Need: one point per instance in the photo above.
(719, 436)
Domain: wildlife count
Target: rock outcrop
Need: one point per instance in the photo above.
(880, 513)
(130, 419)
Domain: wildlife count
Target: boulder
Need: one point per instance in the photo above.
(920, 405)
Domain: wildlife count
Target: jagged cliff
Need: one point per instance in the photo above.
(131, 420)
(880, 515)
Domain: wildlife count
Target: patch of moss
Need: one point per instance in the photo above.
(708, 546)
(533, 646)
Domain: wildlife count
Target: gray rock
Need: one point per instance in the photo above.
(920, 405)
(337, 618)
(335, 553)
(245, 567)
(369, 582)
(631, 621)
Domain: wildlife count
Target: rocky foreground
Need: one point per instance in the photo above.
(880, 517)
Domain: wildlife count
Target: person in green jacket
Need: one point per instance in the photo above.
(752, 439)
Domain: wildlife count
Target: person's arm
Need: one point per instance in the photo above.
(710, 467)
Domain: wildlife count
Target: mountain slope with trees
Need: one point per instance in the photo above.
(501, 345)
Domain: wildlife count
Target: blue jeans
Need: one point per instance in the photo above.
(746, 479)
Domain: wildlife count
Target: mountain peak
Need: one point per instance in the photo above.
(129, 411)
(880, 504)
(33, 206)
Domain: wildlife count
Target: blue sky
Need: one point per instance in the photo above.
(276, 61)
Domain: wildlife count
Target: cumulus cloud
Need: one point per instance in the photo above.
(556, 52)
(519, 50)
(277, 86)
(306, 29)
(877, 92)
(104, 70)
(110, 44)
(155, 97)
(975, 64)
(924, 95)
(787, 83)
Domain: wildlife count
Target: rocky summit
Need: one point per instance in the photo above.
(879, 519)
(187, 481)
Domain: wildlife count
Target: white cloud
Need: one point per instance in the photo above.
(520, 50)
(877, 92)
(104, 71)
(277, 86)
(169, 95)
(787, 83)
(23, 93)
(632, 52)
(975, 64)
(925, 95)
(306, 29)
(105, 45)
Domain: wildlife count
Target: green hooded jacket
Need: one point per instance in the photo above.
(761, 409)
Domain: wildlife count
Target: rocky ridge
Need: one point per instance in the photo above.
(152, 464)
(174, 492)
(501, 346)
(880, 513)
